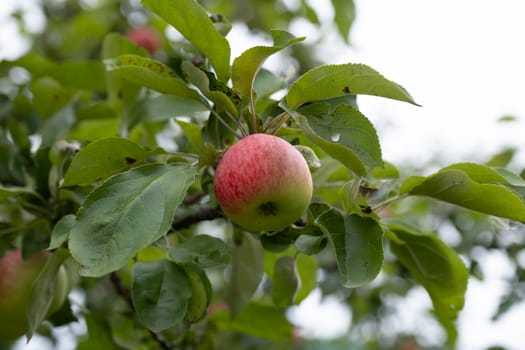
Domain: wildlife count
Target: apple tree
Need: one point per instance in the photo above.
(111, 138)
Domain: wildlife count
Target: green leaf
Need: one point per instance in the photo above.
(103, 158)
(43, 291)
(247, 271)
(346, 135)
(128, 212)
(202, 250)
(246, 66)
(60, 233)
(122, 93)
(266, 83)
(258, 320)
(99, 334)
(306, 266)
(49, 96)
(436, 266)
(164, 107)
(386, 171)
(219, 95)
(336, 80)
(11, 192)
(192, 21)
(358, 245)
(285, 281)
(344, 11)
(151, 74)
(456, 187)
(160, 293)
(77, 74)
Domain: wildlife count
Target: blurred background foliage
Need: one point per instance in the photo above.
(73, 31)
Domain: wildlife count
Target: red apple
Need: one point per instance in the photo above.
(16, 278)
(145, 37)
(263, 183)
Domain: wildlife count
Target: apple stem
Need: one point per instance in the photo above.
(279, 120)
(241, 129)
(252, 107)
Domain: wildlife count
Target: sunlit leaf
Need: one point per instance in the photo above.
(456, 187)
(246, 66)
(192, 21)
(345, 79)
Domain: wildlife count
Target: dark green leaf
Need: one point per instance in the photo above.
(202, 250)
(436, 266)
(346, 134)
(43, 291)
(358, 245)
(103, 158)
(192, 21)
(259, 320)
(285, 281)
(128, 212)
(61, 231)
(306, 266)
(99, 334)
(336, 80)
(160, 293)
(247, 271)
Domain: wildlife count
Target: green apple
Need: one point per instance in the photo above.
(16, 278)
(263, 183)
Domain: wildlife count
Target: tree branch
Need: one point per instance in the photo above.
(203, 214)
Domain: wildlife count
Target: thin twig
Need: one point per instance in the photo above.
(227, 126)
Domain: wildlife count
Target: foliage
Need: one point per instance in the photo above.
(107, 155)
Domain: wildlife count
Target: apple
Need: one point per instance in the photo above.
(145, 37)
(16, 278)
(263, 183)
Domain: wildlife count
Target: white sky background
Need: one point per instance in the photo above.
(464, 62)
